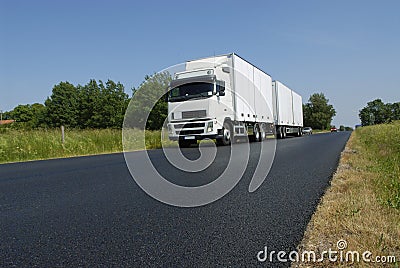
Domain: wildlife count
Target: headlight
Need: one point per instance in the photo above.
(210, 126)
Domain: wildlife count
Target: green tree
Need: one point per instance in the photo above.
(376, 112)
(88, 101)
(31, 115)
(109, 109)
(143, 100)
(22, 113)
(94, 105)
(62, 107)
(7, 115)
(341, 128)
(394, 109)
(318, 113)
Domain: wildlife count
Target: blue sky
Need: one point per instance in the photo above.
(349, 50)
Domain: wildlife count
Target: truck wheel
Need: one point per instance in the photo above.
(263, 135)
(227, 135)
(283, 132)
(257, 133)
(256, 137)
(280, 134)
(298, 132)
(276, 133)
(186, 143)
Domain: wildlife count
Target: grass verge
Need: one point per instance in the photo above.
(23, 145)
(362, 205)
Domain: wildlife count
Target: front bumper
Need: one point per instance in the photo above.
(196, 137)
(194, 130)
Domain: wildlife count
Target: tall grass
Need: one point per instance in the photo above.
(22, 145)
(362, 204)
(381, 144)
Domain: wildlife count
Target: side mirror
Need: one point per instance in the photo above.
(220, 88)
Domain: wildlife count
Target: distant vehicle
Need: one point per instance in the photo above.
(307, 131)
(333, 129)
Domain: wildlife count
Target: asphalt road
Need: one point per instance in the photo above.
(88, 211)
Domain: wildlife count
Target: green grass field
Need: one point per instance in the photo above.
(362, 205)
(23, 145)
(381, 145)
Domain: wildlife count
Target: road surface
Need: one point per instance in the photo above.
(88, 211)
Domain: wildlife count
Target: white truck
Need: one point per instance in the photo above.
(288, 111)
(226, 98)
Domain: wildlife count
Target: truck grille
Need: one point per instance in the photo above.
(190, 132)
(194, 114)
(189, 125)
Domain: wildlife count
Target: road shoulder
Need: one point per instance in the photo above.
(350, 211)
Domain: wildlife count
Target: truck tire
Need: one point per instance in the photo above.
(280, 133)
(283, 132)
(227, 135)
(276, 133)
(263, 133)
(257, 133)
(298, 132)
(186, 143)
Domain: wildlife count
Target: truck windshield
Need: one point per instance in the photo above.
(191, 91)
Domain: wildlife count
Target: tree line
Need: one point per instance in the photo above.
(97, 105)
(104, 105)
(94, 105)
(378, 112)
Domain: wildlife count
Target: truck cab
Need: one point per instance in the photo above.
(198, 104)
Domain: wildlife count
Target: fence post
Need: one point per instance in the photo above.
(62, 134)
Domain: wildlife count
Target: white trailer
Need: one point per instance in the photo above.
(223, 98)
(288, 111)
